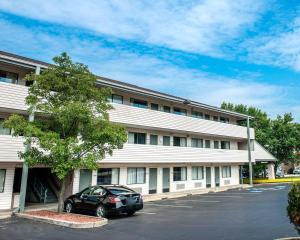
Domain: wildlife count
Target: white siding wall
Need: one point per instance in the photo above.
(6, 196)
(138, 153)
(139, 117)
(9, 148)
(12, 96)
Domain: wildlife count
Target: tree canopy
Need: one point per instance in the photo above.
(71, 129)
(280, 136)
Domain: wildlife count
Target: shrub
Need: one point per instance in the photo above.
(293, 208)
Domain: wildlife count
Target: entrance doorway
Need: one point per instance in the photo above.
(208, 177)
(166, 180)
(85, 179)
(152, 180)
(217, 176)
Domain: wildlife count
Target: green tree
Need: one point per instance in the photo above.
(71, 129)
(293, 208)
(285, 138)
(280, 136)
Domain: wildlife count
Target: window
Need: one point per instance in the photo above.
(137, 138)
(207, 117)
(8, 77)
(98, 191)
(224, 120)
(179, 173)
(167, 109)
(216, 144)
(153, 139)
(2, 179)
(166, 140)
(139, 103)
(136, 175)
(3, 130)
(226, 172)
(179, 141)
(107, 176)
(197, 173)
(197, 114)
(117, 98)
(207, 143)
(179, 111)
(154, 106)
(197, 143)
(225, 145)
(216, 118)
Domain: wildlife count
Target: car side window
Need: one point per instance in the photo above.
(86, 191)
(99, 191)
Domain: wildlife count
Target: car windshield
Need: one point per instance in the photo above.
(119, 190)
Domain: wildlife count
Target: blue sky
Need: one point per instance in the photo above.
(242, 51)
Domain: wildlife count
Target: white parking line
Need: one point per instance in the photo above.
(220, 196)
(189, 200)
(150, 213)
(166, 205)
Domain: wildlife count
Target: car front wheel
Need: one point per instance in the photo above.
(101, 212)
(69, 207)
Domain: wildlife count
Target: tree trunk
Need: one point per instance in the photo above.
(62, 191)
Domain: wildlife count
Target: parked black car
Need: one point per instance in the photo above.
(104, 201)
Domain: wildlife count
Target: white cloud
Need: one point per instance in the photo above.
(280, 49)
(204, 26)
(149, 71)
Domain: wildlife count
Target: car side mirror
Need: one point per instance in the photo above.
(83, 196)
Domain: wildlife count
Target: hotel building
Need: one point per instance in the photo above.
(174, 144)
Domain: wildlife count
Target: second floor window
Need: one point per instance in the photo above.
(137, 138)
(139, 103)
(216, 144)
(179, 141)
(207, 143)
(225, 145)
(179, 111)
(3, 130)
(117, 98)
(153, 139)
(197, 143)
(166, 140)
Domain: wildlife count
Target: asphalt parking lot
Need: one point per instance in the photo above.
(257, 213)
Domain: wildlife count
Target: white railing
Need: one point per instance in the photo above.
(141, 118)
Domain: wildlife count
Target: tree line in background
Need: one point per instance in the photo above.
(280, 136)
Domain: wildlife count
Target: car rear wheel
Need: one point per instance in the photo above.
(69, 207)
(101, 212)
(130, 213)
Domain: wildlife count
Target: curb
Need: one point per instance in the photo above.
(62, 223)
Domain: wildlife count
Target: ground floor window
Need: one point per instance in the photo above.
(226, 171)
(179, 173)
(136, 175)
(106, 176)
(197, 173)
(2, 179)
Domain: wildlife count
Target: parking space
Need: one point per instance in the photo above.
(257, 213)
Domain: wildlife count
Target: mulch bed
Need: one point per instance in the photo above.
(69, 217)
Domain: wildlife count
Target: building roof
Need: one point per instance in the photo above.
(29, 62)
